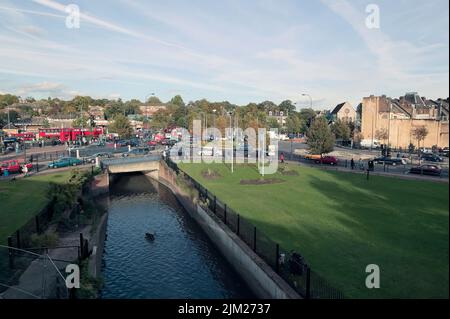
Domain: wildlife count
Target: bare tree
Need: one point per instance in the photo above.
(420, 133)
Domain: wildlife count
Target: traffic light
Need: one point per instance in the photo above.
(388, 152)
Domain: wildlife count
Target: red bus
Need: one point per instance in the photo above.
(69, 134)
(24, 136)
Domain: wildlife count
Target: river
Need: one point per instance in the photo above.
(180, 263)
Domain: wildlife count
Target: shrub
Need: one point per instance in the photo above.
(44, 240)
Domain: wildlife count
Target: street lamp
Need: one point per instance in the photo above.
(232, 142)
(146, 105)
(214, 123)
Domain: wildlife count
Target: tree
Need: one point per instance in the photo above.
(341, 130)
(287, 107)
(46, 123)
(420, 133)
(132, 107)
(8, 99)
(81, 122)
(153, 100)
(177, 100)
(307, 116)
(122, 126)
(319, 137)
(13, 116)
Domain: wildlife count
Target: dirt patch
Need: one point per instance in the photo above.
(287, 172)
(261, 181)
(211, 174)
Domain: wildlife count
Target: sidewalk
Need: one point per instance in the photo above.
(374, 173)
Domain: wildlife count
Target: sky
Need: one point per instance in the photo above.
(236, 50)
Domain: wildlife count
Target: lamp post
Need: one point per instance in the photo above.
(232, 142)
(146, 106)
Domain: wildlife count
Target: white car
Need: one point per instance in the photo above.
(209, 151)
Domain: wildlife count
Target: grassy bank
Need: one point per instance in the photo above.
(24, 198)
(341, 223)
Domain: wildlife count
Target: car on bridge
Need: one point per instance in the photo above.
(136, 152)
(101, 155)
(64, 162)
(427, 169)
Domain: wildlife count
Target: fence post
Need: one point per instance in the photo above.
(81, 244)
(308, 282)
(277, 259)
(37, 163)
(37, 224)
(238, 223)
(254, 238)
(225, 214)
(10, 253)
(18, 238)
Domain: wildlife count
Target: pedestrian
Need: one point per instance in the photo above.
(282, 157)
(25, 170)
(352, 164)
(361, 164)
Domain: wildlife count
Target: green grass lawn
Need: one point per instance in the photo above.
(23, 199)
(341, 223)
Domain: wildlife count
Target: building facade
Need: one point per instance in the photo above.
(399, 118)
(344, 112)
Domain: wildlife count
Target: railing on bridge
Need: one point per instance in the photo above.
(130, 160)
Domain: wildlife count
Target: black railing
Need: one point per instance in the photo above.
(291, 266)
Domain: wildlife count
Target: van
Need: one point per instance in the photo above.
(369, 143)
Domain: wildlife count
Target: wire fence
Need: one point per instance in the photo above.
(27, 274)
(290, 265)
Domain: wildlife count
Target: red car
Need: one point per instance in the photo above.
(13, 166)
(330, 160)
(152, 143)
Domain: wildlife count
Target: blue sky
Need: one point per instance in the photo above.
(237, 50)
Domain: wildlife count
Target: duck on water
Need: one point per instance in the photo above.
(150, 236)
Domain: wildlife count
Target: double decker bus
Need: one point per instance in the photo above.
(24, 136)
(69, 134)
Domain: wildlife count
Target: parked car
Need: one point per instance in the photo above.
(152, 143)
(427, 169)
(64, 162)
(312, 156)
(444, 151)
(390, 161)
(100, 155)
(136, 152)
(425, 150)
(13, 166)
(330, 160)
(431, 158)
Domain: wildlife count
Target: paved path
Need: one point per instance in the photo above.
(376, 173)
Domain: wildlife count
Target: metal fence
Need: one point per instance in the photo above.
(362, 165)
(290, 265)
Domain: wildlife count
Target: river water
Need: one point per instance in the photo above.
(180, 263)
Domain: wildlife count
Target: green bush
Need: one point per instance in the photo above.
(44, 240)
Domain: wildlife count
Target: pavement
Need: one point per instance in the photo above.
(375, 173)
